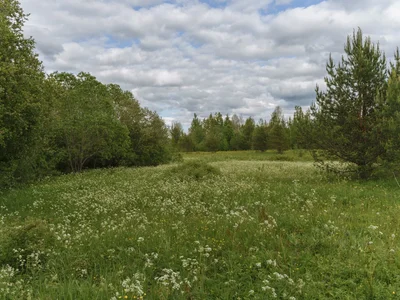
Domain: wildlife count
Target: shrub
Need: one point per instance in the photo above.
(194, 170)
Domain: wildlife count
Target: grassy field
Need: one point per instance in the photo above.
(220, 226)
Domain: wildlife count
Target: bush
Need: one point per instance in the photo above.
(194, 170)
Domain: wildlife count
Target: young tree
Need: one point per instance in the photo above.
(347, 112)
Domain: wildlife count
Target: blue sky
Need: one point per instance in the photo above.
(188, 56)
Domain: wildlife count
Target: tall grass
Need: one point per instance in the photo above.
(242, 229)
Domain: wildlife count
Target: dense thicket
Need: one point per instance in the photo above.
(21, 105)
(65, 122)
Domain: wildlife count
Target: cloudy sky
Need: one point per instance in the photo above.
(181, 57)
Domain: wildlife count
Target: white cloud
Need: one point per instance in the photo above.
(185, 56)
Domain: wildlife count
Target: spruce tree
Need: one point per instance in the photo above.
(347, 112)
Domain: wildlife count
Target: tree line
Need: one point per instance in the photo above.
(62, 122)
(219, 133)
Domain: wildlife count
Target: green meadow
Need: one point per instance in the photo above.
(232, 225)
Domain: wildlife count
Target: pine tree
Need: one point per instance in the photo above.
(346, 113)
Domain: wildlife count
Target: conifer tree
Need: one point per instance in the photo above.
(346, 113)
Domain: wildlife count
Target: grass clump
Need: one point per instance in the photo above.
(25, 246)
(194, 170)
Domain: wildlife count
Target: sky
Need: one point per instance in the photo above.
(180, 57)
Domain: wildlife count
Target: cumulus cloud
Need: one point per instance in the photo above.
(181, 57)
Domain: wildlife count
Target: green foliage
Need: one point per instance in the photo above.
(186, 143)
(21, 106)
(247, 131)
(197, 134)
(66, 122)
(347, 113)
(194, 170)
(88, 129)
(260, 137)
(277, 131)
(390, 118)
(300, 129)
(176, 133)
(228, 131)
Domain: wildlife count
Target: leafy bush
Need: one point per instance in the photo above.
(194, 170)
